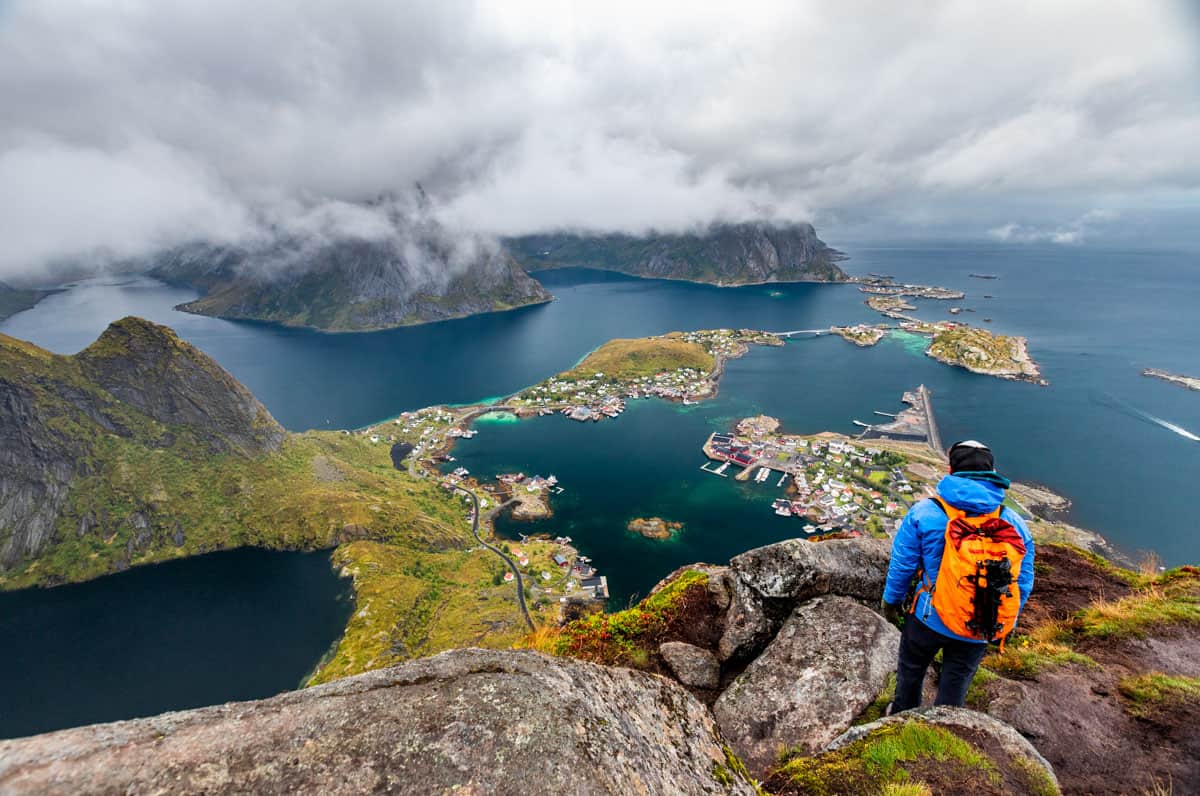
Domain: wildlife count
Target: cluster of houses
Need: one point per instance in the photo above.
(581, 578)
(531, 484)
(598, 397)
(835, 483)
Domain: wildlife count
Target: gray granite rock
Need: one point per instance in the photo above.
(467, 721)
(692, 665)
(828, 662)
(797, 569)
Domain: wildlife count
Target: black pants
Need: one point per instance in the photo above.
(918, 645)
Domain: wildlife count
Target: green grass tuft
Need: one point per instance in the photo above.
(886, 757)
(1150, 693)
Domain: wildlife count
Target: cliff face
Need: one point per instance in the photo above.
(351, 285)
(139, 385)
(725, 254)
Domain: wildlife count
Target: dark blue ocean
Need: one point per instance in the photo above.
(1120, 445)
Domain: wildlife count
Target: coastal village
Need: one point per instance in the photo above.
(836, 483)
(831, 483)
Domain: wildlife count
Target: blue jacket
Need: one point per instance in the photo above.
(921, 537)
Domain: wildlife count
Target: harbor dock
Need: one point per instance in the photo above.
(914, 424)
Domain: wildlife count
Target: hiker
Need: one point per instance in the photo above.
(967, 598)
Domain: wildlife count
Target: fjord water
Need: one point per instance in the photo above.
(1094, 319)
(232, 625)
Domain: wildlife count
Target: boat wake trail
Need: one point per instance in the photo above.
(1116, 403)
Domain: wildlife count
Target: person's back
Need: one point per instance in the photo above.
(935, 622)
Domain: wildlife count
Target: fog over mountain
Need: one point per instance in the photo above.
(137, 126)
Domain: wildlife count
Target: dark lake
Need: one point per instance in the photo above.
(225, 626)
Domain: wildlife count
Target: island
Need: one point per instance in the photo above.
(886, 286)
(981, 351)
(654, 527)
(891, 306)
(861, 335)
(1190, 382)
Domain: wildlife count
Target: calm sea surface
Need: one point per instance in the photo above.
(1120, 445)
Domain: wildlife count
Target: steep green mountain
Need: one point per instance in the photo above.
(141, 448)
(350, 285)
(14, 300)
(724, 254)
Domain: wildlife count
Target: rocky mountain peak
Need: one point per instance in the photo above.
(147, 366)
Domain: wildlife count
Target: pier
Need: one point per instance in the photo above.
(915, 424)
(934, 436)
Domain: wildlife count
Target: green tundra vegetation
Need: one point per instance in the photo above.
(644, 356)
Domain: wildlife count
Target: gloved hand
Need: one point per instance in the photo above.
(893, 614)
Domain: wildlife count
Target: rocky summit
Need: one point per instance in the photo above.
(723, 254)
(467, 721)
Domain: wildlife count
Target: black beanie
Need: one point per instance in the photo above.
(971, 456)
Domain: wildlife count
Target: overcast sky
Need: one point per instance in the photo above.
(131, 124)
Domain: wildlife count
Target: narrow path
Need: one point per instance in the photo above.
(511, 564)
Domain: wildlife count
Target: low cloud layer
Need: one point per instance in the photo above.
(132, 126)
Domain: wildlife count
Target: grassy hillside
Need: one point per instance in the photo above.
(644, 356)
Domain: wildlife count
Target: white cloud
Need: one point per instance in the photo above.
(1075, 232)
(127, 125)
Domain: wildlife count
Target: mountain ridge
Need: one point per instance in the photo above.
(347, 285)
(722, 254)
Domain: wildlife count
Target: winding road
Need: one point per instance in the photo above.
(511, 564)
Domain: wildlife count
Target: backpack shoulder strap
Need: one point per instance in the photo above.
(950, 512)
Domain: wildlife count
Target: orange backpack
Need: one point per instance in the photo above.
(974, 594)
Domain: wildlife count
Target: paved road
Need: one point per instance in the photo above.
(511, 564)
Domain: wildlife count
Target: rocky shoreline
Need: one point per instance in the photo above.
(968, 354)
(1190, 382)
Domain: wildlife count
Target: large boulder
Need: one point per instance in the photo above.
(693, 666)
(466, 721)
(749, 624)
(797, 569)
(828, 662)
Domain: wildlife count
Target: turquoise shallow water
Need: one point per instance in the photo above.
(1100, 433)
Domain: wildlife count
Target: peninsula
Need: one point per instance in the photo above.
(1190, 382)
(141, 449)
